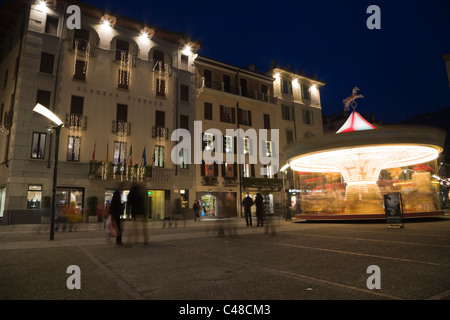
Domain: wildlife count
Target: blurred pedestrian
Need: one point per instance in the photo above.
(196, 210)
(259, 203)
(116, 210)
(248, 203)
(137, 201)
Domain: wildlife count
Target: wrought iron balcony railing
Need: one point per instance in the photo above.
(121, 127)
(76, 121)
(160, 133)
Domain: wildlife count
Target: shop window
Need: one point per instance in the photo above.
(184, 195)
(34, 197)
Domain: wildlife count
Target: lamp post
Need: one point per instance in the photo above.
(59, 124)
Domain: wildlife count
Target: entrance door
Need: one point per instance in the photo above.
(156, 204)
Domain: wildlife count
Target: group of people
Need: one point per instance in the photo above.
(259, 203)
(137, 204)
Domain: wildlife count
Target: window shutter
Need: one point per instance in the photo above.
(233, 115)
(249, 118)
(221, 113)
(202, 168)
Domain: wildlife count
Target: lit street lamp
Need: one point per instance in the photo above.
(59, 124)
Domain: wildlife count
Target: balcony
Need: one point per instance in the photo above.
(223, 87)
(81, 46)
(209, 181)
(230, 181)
(125, 58)
(161, 67)
(76, 121)
(121, 128)
(99, 170)
(160, 133)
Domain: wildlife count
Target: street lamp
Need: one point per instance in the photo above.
(59, 124)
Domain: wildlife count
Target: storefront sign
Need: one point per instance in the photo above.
(393, 208)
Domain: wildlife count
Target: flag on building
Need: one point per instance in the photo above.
(93, 153)
(144, 157)
(130, 155)
(154, 155)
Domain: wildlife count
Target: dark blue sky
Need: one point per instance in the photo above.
(399, 69)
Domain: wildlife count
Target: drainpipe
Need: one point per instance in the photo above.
(61, 28)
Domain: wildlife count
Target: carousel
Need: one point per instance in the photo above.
(346, 174)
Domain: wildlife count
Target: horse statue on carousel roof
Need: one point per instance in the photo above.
(350, 101)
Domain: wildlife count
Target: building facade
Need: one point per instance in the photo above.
(122, 88)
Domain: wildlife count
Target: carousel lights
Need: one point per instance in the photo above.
(364, 164)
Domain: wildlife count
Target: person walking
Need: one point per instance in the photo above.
(116, 210)
(259, 209)
(196, 210)
(137, 202)
(248, 203)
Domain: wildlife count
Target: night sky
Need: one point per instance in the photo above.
(399, 68)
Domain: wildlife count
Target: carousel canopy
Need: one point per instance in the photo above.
(356, 122)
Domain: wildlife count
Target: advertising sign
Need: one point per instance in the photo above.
(393, 208)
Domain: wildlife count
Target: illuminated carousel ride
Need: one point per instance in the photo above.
(369, 162)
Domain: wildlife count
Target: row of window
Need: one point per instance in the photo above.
(124, 74)
(227, 114)
(120, 152)
(286, 88)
